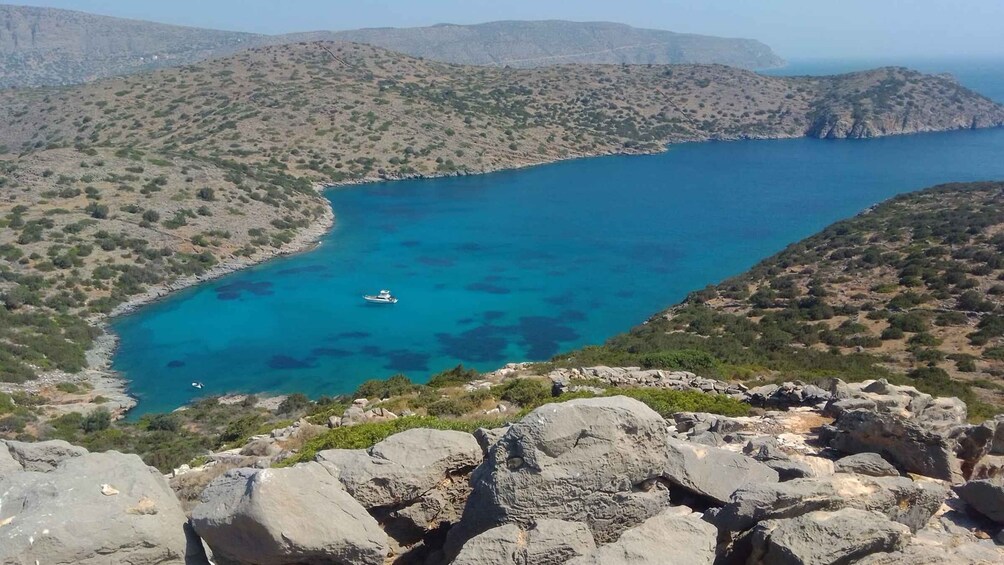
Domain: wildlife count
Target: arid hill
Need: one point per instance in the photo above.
(46, 46)
(910, 288)
(120, 184)
(542, 43)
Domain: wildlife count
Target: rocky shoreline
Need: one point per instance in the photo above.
(109, 388)
(113, 389)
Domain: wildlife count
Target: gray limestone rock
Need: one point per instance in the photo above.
(898, 498)
(287, 516)
(713, 472)
(674, 537)
(402, 467)
(826, 538)
(7, 462)
(43, 455)
(595, 460)
(870, 464)
(487, 437)
(412, 481)
(547, 542)
(986, 496)
(903, 442)
(92, 509)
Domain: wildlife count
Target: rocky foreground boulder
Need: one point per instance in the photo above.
(906, 443)
(598, 461)
(412, 482)
(830, 538)
(546, 542)
(911, 503)
(61, 504)
(592, 481)
(287, 516)
(674, 536)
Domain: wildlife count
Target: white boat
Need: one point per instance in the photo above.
(197, 385)
(385, 297)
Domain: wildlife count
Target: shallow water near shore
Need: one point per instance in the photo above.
(516, 265)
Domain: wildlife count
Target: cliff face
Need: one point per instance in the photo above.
(896, 100)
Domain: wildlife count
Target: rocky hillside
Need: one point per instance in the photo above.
(911, 287)
(541, 43)
(123, 185)
(46, 46)
(867, 474)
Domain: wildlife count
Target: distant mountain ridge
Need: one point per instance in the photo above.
(539, 43)
(48, 47)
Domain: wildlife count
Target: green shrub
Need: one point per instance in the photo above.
(695, 361)
(362, 436)
(293, 403)
(394, 386)
(668, 402)
(456, 376)
(68, 387)
(525, 392)
(162, 422)
(96, 421)
(240, 429)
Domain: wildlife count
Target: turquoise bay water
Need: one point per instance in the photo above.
(517, 265)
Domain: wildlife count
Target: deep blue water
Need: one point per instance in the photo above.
(517, 265)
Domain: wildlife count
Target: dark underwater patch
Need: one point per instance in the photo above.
(330, 352)
(482, 344)
(542, 336)
(235, 290)
(435, 261)
(492, 315)
(487, 287)
(572, 316)
(354, 335)
(470, 247)
(175, 364)
(305, 269)
(411, 243)
(404, 361)
(287, 362)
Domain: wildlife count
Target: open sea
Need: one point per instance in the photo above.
(522, 265)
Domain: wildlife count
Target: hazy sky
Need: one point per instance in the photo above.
(794, 28)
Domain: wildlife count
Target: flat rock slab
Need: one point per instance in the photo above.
(287, 516)
(898, 498)
(674, 537)
(403, 466)
(43, 455)
(871, 464)
(903, 442)
(826, 538)
(548, 542)
(986, 496)
(713, 472)
(92, 509)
